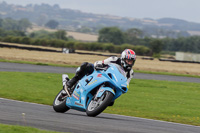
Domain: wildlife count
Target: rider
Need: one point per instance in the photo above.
(126, 60)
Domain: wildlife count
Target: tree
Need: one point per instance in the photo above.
(41, 20)
(2, 32)
(20, 25)
(156, 45)
(1, 22)
(10, 24)
(24, 24)
(61, 34)
(132, 35)
(111, 35)
(84, 29)
(52, 24)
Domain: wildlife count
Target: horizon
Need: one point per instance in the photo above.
(180, 9)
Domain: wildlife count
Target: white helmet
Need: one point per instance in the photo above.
(128, 58)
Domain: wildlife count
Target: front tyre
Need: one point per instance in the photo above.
(96, 106)
(59, 103)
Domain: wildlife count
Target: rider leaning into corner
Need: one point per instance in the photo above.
(126, 60)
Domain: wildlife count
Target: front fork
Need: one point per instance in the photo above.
(65, 79)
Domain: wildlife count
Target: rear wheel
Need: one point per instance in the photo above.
(97, 105)
(59, 104)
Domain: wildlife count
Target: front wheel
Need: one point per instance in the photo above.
(59, 103)
(96, 106)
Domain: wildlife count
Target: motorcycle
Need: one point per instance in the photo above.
(93, 93)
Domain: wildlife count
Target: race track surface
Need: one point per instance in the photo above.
(51, 69)
(44, 117)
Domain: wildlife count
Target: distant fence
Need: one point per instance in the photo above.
(187, 57)
(29, 48)
(50, 50)
(181, 61)
(184, 58)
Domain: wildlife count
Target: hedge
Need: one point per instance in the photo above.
(90, 46)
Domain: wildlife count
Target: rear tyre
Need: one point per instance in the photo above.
(96, 106)
(59, 103)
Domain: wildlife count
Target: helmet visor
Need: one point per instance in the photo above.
(129, 61)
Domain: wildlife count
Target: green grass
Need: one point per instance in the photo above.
(160, 100)
(30, 87)
(21, 129)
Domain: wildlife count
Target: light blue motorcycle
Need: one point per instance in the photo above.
(94, 92)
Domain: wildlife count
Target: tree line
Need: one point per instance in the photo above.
(135, 37)
(10, 24)
(110, 39)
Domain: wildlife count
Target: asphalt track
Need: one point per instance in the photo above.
(44, 117)
(4, 66)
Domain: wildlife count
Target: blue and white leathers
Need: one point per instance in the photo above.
(112, 79)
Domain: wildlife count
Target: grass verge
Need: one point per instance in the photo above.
(21, 129)
(160, 100)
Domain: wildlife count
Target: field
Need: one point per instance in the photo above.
(74, 59)
(76, 35)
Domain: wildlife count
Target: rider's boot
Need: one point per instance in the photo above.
(64, 93)
(71, 83)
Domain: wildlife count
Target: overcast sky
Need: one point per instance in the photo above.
(188, 10)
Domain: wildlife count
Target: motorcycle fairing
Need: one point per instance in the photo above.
(83, 92)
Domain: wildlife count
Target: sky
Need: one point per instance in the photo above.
(188, 10)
